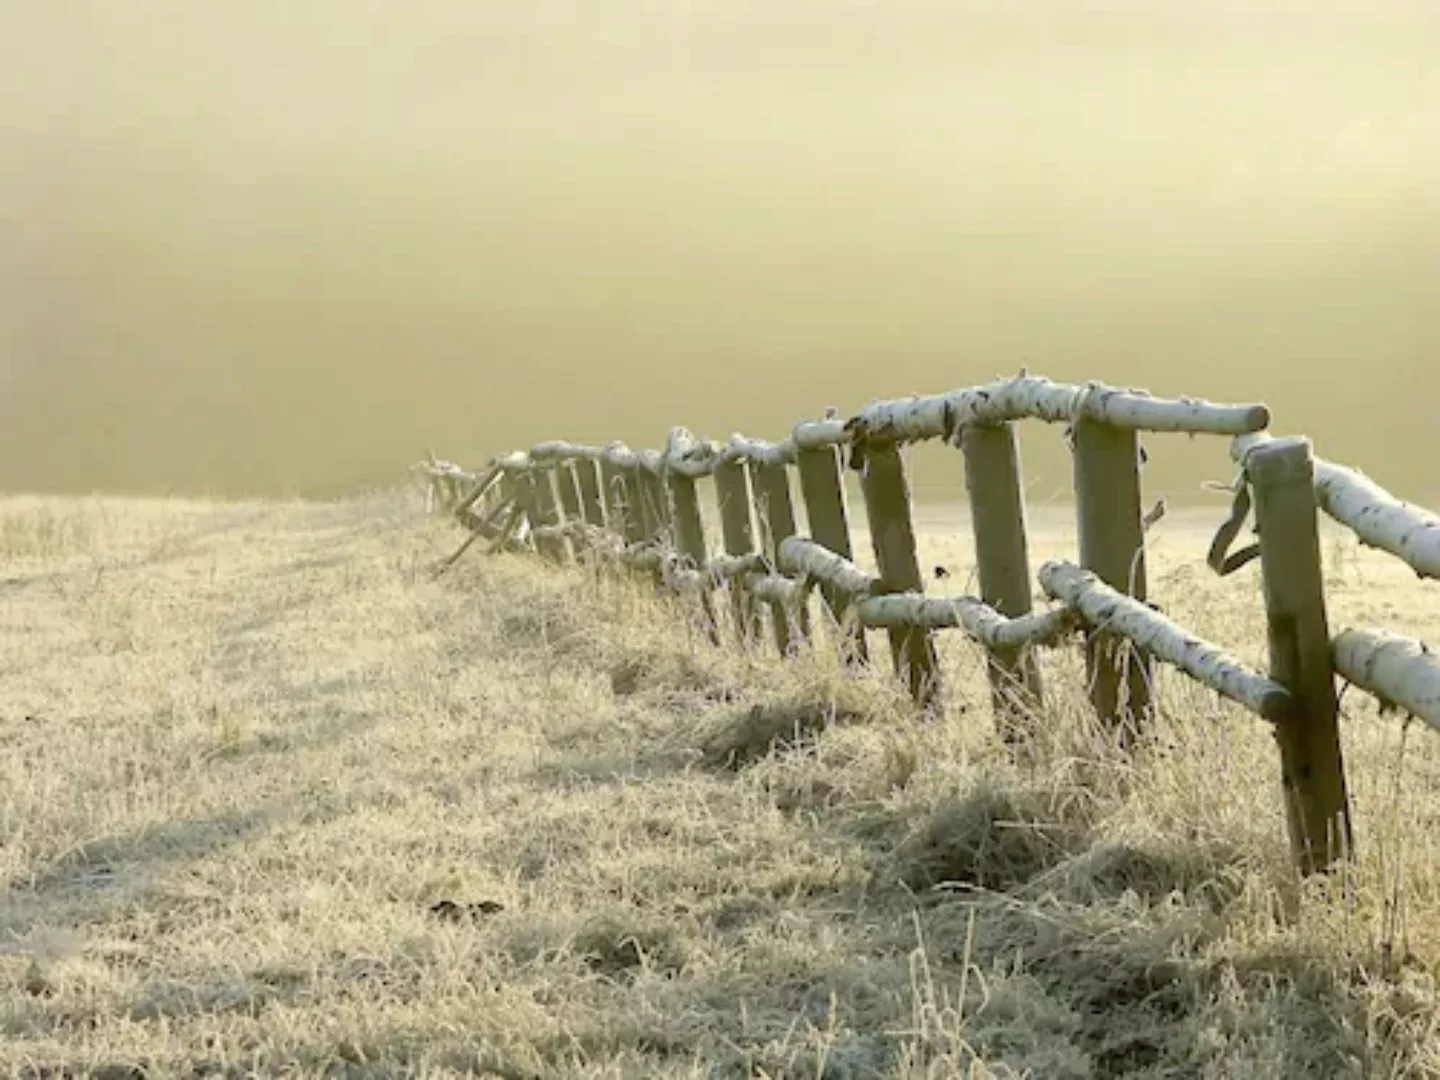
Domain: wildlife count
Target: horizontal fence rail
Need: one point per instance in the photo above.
(640, 510)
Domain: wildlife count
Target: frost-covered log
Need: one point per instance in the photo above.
(689, 456)
(557, 452)
(1378, 518)
(1102, 606)
(797, 555)
(818, 434)
(516, 462)
(1400, 671)
(619, 455)
(1027, 396)
(744, 448)
(977, 618)
(724, 567)
(777, 589)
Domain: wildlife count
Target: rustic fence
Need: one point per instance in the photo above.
(642, 509)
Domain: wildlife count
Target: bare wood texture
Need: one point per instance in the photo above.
(797, 555)
(732, 493)
(1312, 767)
(978, 619)
(587, 480)
(892, 534)
(1400, 671)
(1208, 664)
(1112, 539)
(823, 488)
(997, 516)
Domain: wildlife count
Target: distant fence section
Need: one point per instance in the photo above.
(642, 509)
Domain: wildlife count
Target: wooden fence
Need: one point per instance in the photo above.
(642, 509)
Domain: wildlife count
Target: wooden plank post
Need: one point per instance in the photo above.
(777, 523)
(637, 519)
(823, 488)
(1112, 545)
(614, 493)
(587, 480)
(690, 540)
(546, 515)
(997, 517)
(732, 493)
(657, 510)
(1282, 475)
(568, 487)
(892, 534)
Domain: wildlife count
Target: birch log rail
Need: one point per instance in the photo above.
(641, 509)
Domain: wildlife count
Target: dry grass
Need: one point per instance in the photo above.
(251, 752)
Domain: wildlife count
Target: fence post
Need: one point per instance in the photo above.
(1282, 474)
(777, 522)
(690, 540)
(568, 486)
(615, 495)
(587, 480)
(892, 534)
(823, 488)
(652, 492)
(732, 492)
(547, 515)
(1112, 545)
(997, 518)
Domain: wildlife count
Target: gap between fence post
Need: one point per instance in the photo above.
(777, 523)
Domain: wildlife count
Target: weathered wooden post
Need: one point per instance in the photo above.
(997, 516)
(777, 522)
(823, 488)
(637, 520)
(546, 516)
(615, 494)
(732, 493)
(652, 493)
(1112, 545)
(690, 540)
(1281, 473)
(892, 534)
(587, 480)
(568, 487)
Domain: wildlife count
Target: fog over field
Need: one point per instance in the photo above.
(282, 246)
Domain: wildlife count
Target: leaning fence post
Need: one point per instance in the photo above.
(1282, 475)
(732, 492)
(997, 517)
(777, 522)
(892, 534)
(547, 516)
(652, 492)
(1112, 545)
(823, 488)
(690, 539)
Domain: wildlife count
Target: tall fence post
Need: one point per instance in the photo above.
(587, 480)
(892, 534)
(638, 526)
(690, 539)
(997, 517)
(568, 487)
(652, 491)
(823, 488)
(777, 522)
(616, 496)
(1112, 545)
(1282, 475)
(546, 515)
(732, 492)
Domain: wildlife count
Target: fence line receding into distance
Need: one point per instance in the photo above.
(641, 509)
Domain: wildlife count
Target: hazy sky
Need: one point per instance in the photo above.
(283, 245)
